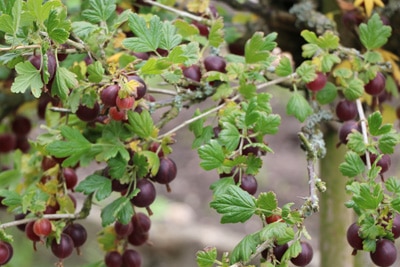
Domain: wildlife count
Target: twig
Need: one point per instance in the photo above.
(176, 11)
(162, 91)
(19, 47)
(363, 130)
(47, 216)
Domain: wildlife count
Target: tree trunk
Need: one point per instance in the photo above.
(335, 218)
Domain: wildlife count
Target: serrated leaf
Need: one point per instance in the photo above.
(387, 142)
(10, 23)
(40, 12)
(28, 77)
(356, 142)
(117, 167)
(299, 107)
(328, 41)
(97, 184)
(293, 251)
(306, 72)
(328, 61)
(216, 34)
(309, 50)
(221, 185)
(246, 247)
(375, 124)
(284, 67)
(235, 205)
(374, 34)
(83, 28)
(268, 124)
(64, 81)
(141, 123)
(354, 90)
(309, 36)
(185, 29)
(278, 231)
(120, 209)
(148, 36)
(392, 184)
(352, 166)
(96, 72)
(58, 25)
(212, 155)
(373, 57)
(367, 197)
(169, 38)
(99, 10)
(229, 136)
(207, 257)
(267, 202)
(258, 47)
(328, 94)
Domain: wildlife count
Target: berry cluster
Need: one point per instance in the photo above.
(385, 253)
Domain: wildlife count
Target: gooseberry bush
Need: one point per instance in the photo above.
(96, 78)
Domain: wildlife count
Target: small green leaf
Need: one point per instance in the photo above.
(28, 77)
(356, 142)
(299, 107)
(258, 47)
(95, 183)
(221, 185)
(367, 197)
(268, 124)
(293, 251)
(352, 166)
(141, 123)
(328, 41)
(387, 142)
(375, 124)
(309, 50)
(58, 25)
(207, 257)
(243, 250)
(354, 90)
(328, 61)
(212, 155)
(148, 36)
(278, 231)
(96, 72)
(267, 202)
(83, 28)
(216, 34)
(64, 81)
(309, 36)
(185, 29)
(229, 136)
(392, 184)
(99, 10)
(235, 205)
(306, 72)
(284, 67)
(374, 34)
(169, 38)
(373, 57)
(120, 209)
(117, 167)
(328, 94)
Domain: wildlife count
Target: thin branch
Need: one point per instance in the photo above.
(176, 11)
(19, 47)
(161, 91)
(46, 216)
(363, 130)
(276, 81)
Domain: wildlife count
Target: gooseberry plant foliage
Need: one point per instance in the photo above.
(97, 78)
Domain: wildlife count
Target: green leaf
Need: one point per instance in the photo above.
(299, 107)
(229, 136)
(10, 23)
(221, 185)
(267, 202)
(309, 50)
(284, 67)
(83, 28)
(258, 47)
(356, 142)
(96, 72)
(58, 26)
(41, 12)
(246, 247)
(76, 147)
(97, 184)
(235, 205)
(216, 34)
(99, 10)
(153, 161)
(170, 38)
(120, 209)
(212, 155)
(328, 94)
(141, 124)
(268, 124)
(147, 38)
(185, 29)
(328, 41)
(328, 61)
(207, 257)
(387, 142)
(395, 203)
(9, 176)
(64, 81)
(293, 251)
(306, 71)
(373, 57)
(28, 77)
(117, 167)
(278, 231)
(354, 89)
(392, 184)
(375, 124)
(352, 166)
(374, 34)
(11, 199)
(368, 197)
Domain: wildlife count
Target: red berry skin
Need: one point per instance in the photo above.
(21, 125)
(376, 86)
(109, 95)
(346, 110)
(147, 194)
(396, 226)
(385, 253)
(63, 249)
(167, 171)
(125, 103)
(70, 177)
(88, 114)
(6, 252)
(8, 142)
(131, 258)
(117, 115)
(273, 218)
(318, 83)
(142, 89)
(30, 233)
(305, 256)
(353, 237)
(42, 227)
(113, 259)
(215, 63)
